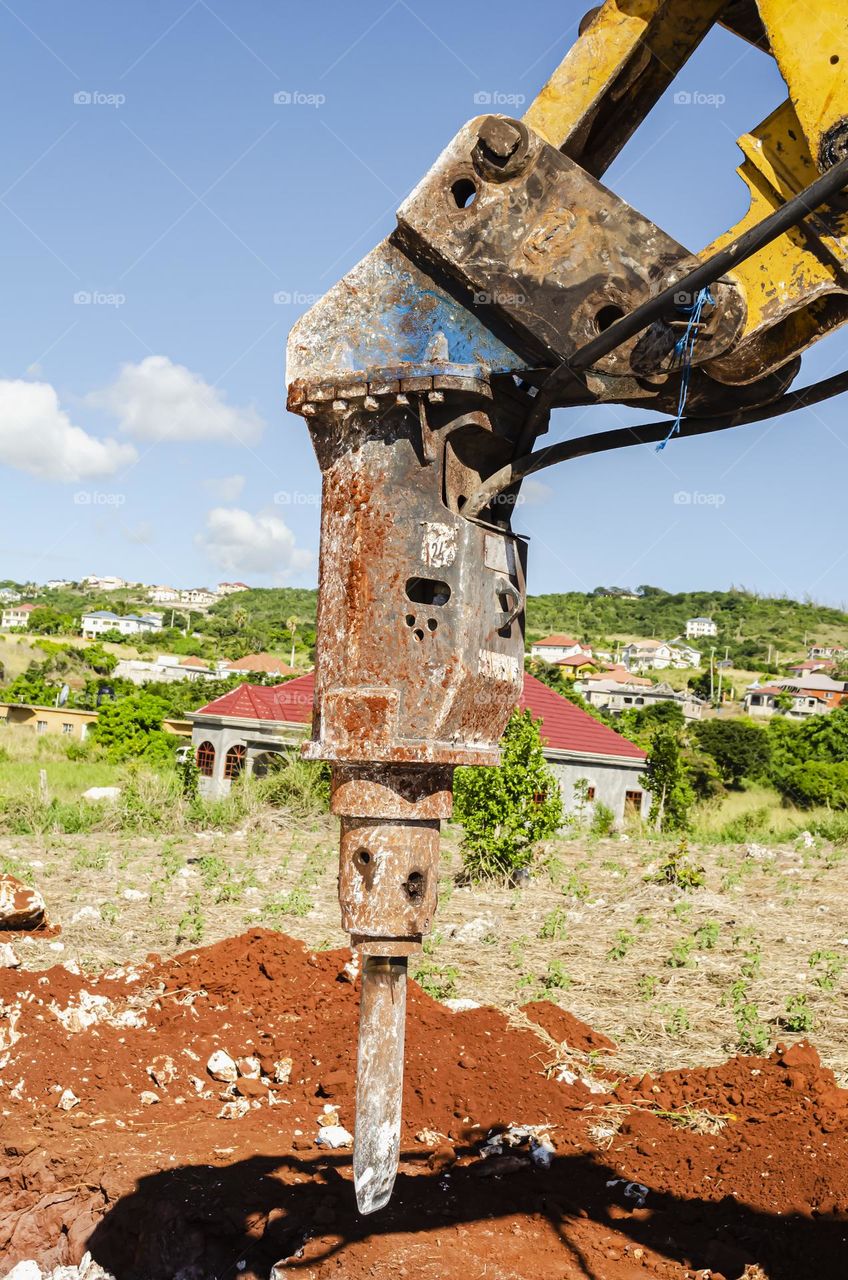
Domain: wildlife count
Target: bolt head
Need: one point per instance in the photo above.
(499, 138)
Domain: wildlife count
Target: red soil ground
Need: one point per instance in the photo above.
(163, 1189)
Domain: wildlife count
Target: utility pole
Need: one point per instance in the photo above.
(712, 674)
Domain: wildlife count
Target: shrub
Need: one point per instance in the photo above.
(815, 783)
(665, 778)
(298, 785)
(679, 869)
(506, 810)
(603, 820)
(799, 1016)
(740, 749)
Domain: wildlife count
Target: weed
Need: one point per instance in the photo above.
(438, 980)
(675, 1020)
(623, 942)
(830, 966)
(212, 868)
(555, 977)
(603, 821)
(799, 1016)
(679, 869)
(574, 885)
(554, 926)
(753, 1035)
(296, 902)
(191, 926)
(108, 912)
(90, 860)
(681, 953)
(647, 986)
(516, 953)
(707, 935)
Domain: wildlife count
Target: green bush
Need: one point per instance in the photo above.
(815, 783)
(506, 810)
(603, 820)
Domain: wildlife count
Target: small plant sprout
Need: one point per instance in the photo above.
(707, 935)
(623, 942)
(681, 953)
(647, 986)
(554, 927)
(799, 1016)
(828, 966)
(679, 869)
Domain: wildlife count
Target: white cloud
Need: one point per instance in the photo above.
(160, 400)
(37, 436)
(238, 542)
(225, 488)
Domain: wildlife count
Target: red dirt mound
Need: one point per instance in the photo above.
(112, 1140)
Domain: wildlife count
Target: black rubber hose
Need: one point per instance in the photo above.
(650, 433)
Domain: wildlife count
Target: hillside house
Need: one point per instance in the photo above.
(659, 655)
(256, 664)
(244, 729)
(163, 595)
(230, 588)
(8, 595)
(557, 647)
(199, 596)
(615, 697)
(167, 668)
(99, 621)
(72, 722)
(812, 665)
(104, 584)
(16, 617)
(578, 664)
(836, 651)
(811, 695)
(698, 627)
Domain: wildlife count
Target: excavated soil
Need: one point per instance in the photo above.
(740, 1169)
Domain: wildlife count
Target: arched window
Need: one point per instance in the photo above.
(206, 759)
(234, 761)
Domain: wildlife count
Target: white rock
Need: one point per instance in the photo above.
(8, 959)
(68, 1101)
(147, 1097)
(334, 1135)
(101, 793)
(475, 930)
(86, 913)
(24, 1271)
(459, 1004)
(134, 895)
(221, 1067)
(162, 1070)
(21, 906)
(249, 1067)
(282, 1070)
(234, 1110)
(56, 946)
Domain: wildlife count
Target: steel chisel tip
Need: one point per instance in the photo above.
(379, 1080)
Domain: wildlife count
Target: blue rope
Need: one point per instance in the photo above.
(683, 348)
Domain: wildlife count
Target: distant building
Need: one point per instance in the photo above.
(811, 695)
(230, 588)
(614, 697)
(163, 595)
(615, 674)
(99, 621)
(16, 617)
(57, 584)
(836, 651)
(244, 729)
(167, 668)
(659, 655)
(264, 664)
(9, 596)
(557, 647)
(576, 665)
(199, 596)
(696, 627)
(811, 665)
(70, 721)
(104, 584)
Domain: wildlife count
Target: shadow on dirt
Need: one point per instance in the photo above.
(200, 1220)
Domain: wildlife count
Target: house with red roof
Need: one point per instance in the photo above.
(17, 616)
(265, 664)
(242, 730)
(557, 647)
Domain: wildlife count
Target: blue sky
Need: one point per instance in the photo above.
(156, 205)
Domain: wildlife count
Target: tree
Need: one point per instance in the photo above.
(132, 727)
(739, 748)
(46, 620)
(508, 809)
(292, 625)
(665, 778)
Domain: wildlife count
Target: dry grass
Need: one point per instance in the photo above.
(647, 964)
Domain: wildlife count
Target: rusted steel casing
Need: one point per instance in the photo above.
(388, 873)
